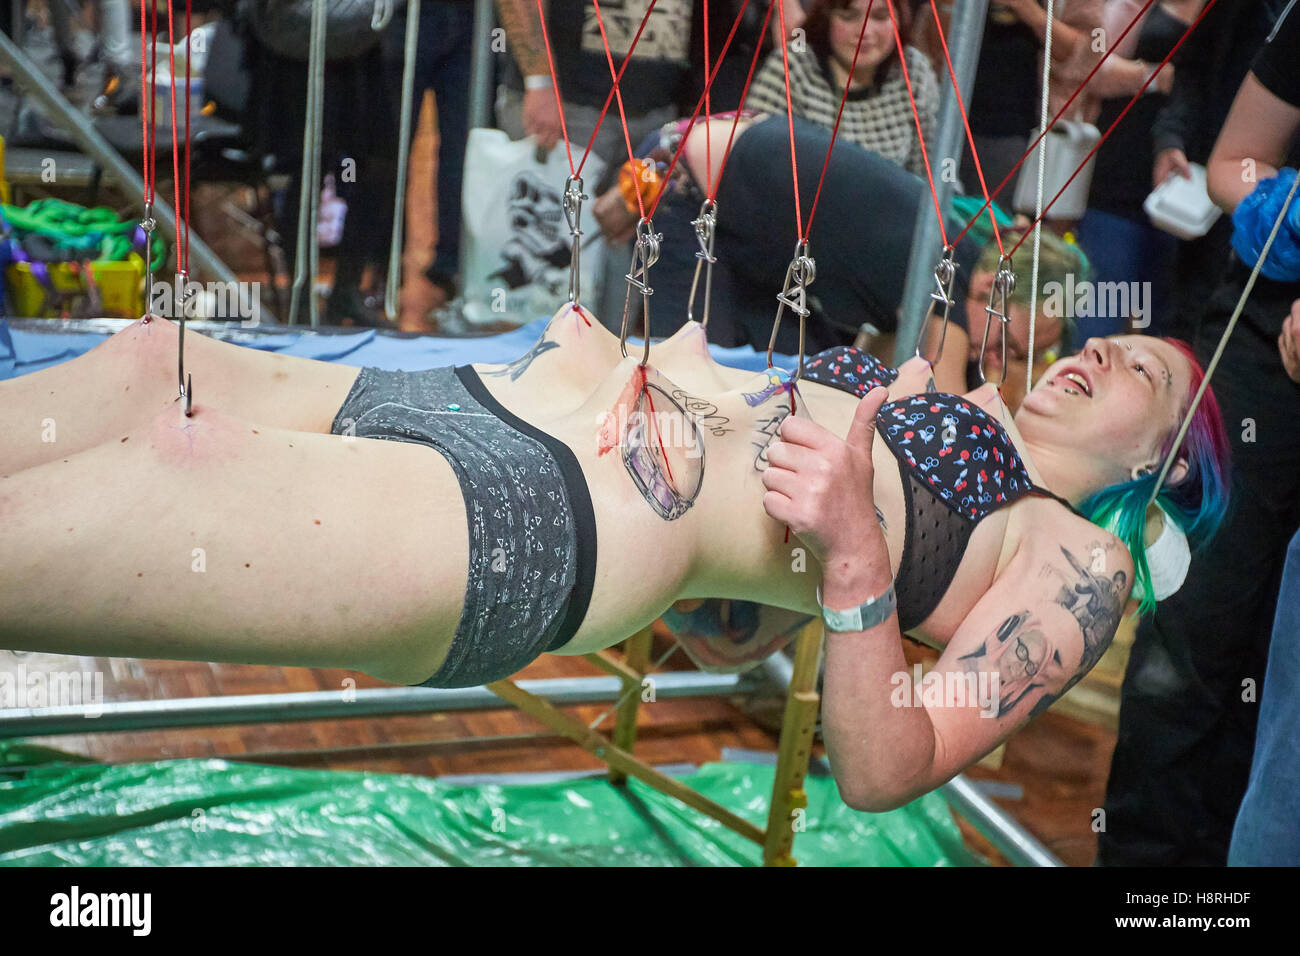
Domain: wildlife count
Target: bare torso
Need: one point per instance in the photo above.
(724, 545)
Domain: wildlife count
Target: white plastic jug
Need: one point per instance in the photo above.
(1068, 142)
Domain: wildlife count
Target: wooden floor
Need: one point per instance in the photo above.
(1059, 763)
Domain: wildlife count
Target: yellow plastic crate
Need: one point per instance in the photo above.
(121, 288)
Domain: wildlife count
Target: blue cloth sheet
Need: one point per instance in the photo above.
(23, 350)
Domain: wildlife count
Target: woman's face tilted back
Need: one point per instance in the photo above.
(1116, 402)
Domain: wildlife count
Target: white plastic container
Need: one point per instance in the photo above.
(1182, 206)
(1068, 142)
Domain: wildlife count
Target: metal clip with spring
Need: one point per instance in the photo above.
(148, 224)
(798, 276)
(186, 383)
(945, 273)
(1004, 283)
(704, 224)
(572, 205)
(645, 253)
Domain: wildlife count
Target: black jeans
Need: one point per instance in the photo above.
(860, 239)
(1186, 735)
(442, 64)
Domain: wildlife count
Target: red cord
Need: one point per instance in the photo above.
(618, 95)
(681, 145)
(1061, 112)
(744, 93)
(176, 173)
(708, 108)
(144, 111)
(186, 245)
(646, 392)
(555, 85)
(844, 98)
(1110, 129)
(789, 113)
(970, 137)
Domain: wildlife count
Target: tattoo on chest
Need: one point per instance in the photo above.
(520, 365)
(659, 444)
(704, 412)
(765, 432)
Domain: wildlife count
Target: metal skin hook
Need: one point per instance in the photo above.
(1004, 283)
(572, 205)
(148, 224)
(186, 382)
(798, 276)
(704, 225)
(644, 254)
(945, 273)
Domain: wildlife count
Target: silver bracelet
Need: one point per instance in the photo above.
(863, 617)
(537, 82)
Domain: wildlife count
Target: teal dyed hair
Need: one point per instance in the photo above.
(1198, 503)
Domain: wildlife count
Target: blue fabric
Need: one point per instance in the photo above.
(1266, 833)
(1253, 220)
(23, 351)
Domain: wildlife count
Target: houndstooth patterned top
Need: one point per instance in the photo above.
(878, 118)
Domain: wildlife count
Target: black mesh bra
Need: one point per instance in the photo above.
(957, 465)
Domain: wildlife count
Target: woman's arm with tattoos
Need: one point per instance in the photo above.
(1031, 638)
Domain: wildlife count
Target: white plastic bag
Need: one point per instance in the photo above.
(515, 243)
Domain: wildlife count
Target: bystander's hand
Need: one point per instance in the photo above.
(1288, 343)
(542, 117)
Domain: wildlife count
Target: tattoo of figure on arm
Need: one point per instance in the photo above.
(1019, 650)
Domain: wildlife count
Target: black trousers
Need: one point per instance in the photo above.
(1187, 716)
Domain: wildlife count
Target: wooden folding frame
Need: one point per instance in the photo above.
(788, 796)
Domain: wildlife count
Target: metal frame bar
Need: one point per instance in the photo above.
(965, 37)
(187, 712)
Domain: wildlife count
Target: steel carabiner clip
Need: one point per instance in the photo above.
(572, 205)
(705, 224)
(1004, 283)
(798, 276)
(645, 253)
(945, 273)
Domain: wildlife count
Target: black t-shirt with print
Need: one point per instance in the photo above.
(659, 64)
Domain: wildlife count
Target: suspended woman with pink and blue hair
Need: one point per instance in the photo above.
(1197, 504)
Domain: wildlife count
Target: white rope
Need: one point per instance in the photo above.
(1038, 205)
(393, 283)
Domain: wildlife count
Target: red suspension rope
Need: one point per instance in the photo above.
(970, 137)
(1061, 112)
(1110, 129)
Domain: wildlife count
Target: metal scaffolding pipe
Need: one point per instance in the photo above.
(1011, 839)
(335, 705)
(31, 79)
(965, 35)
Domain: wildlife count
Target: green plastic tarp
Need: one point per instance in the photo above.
(212, 812)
